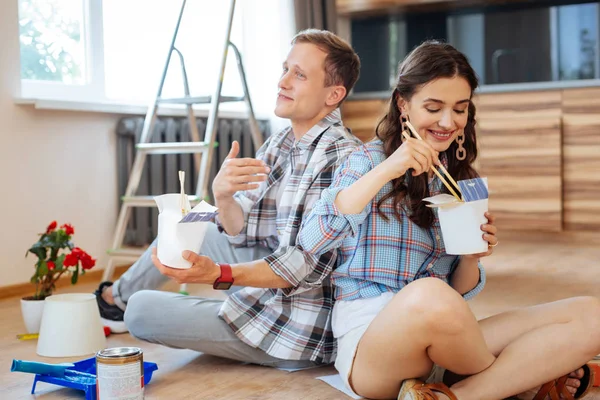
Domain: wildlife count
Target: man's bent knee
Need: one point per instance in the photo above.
(139, 317)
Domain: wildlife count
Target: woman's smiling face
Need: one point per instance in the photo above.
(439, 110)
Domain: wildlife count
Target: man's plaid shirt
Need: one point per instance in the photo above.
(294, 323)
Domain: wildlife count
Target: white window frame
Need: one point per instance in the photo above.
(93, 88)
(91, 97)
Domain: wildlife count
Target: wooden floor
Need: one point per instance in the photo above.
(526, 269)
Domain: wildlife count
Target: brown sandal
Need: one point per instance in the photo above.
(554, 389)
(414, 389)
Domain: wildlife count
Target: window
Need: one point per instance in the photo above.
(577, 31)
(57, 40)
(115, 50)
(52, 45)
(137, 37)
(518, 43)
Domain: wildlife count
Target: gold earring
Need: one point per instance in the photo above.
(403, 128)
(461, 153)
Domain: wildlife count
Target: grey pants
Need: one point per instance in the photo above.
(188, 322)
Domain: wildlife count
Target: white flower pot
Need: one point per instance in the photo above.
(32, 311)
(71, 326)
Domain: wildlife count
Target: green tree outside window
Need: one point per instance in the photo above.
(51, 40)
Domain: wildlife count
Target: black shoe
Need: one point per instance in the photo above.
(111, 315)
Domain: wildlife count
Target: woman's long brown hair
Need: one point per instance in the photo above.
(431, 60)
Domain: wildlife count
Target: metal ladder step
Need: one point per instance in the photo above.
(148, 201)
(172, 148)
(198, 100)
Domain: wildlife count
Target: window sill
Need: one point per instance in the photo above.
(122, 108)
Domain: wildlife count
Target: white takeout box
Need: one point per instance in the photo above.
(173, 236)
(461, 223)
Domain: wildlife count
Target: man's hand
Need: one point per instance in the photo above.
(203, 269)
(237, 174)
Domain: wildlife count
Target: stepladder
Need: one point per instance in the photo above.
(201, 148)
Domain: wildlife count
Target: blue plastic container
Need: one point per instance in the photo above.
(87, 380)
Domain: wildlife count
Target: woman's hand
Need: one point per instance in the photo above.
(489, 236)
(413, 153)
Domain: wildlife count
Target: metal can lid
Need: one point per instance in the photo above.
(116, 352)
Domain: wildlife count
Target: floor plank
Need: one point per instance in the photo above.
(526, 269)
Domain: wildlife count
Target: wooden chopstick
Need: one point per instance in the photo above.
(459, 198)
(182, 202)
(414, 132)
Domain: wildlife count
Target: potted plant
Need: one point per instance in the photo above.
(56, 256)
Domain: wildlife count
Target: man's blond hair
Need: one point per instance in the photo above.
(342, 65)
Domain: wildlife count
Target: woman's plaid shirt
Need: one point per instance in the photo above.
(376, 255)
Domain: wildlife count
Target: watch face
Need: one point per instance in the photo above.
(222, 285)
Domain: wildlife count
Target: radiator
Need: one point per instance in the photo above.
(160, 171)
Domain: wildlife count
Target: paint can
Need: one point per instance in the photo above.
(120, 374)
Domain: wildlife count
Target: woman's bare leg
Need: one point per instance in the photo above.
(426, 321)
(534, 345)
(501, 329)
(572, 384)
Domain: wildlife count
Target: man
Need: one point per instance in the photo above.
(282, 315)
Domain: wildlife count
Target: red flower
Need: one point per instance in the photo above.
(51, 265)
(77, 252)
(51, 227)
(71, 260)
(76, 255)
(87, 262)
(69, 230)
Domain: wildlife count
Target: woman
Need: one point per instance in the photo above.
(401, 300)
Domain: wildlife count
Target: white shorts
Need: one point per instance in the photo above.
(350, 321)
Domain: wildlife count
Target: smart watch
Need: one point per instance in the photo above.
(224, 281)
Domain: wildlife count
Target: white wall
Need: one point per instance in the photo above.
(272, 22)
(54, 165)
